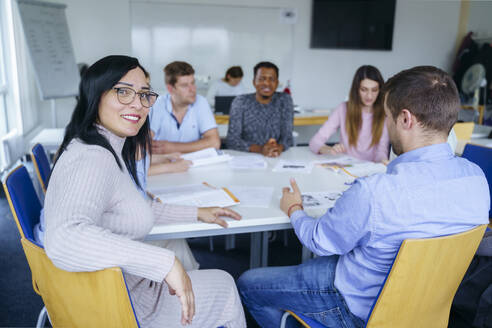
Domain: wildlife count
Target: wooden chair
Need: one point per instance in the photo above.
(41, 165)
(80, 299)
(72, 299)
(464, 130)
(421, 284)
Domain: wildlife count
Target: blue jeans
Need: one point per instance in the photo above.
(308, 288)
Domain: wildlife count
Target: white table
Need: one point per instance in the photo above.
(255, 220)
(51, 139)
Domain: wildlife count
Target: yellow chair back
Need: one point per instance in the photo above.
(80, 299)
(421, 285)
(464, 130)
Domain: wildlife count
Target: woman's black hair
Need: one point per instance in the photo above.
(99, 78)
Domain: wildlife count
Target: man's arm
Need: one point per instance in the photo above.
(342, 228)
(167, 163)
(209, 139)
(235, 129)
(179, 165)
(286, 139)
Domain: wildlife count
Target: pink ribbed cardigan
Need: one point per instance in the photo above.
(363, 149)
(96, 219)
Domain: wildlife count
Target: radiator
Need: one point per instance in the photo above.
(11, 149)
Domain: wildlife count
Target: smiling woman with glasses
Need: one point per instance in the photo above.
(96, 217)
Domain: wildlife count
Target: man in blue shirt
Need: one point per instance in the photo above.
(182, 121)
(426, 192)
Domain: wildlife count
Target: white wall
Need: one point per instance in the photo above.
(323, 77)
(97, 28)
(424, 34)
(480, 18)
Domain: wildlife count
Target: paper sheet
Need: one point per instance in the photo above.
(293, 166)
(321, 199)
(253, 196)
(199, 195)
(350, 166)
(216, 197)
(178, 191)
(206, 156)
(250, 162)
(200, 154)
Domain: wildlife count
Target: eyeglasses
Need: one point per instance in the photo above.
(127, 95)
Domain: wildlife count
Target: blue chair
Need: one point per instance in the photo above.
(72, 299)
(23, 201)
(41, 165)
(420, 287)
(482, 156)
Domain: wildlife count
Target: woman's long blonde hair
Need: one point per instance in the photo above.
(353, 122)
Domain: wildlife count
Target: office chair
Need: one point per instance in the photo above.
(41, 165)
(72, 299)
(482, 156)
(420, 287)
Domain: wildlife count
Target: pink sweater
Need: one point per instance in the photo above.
(363, 150)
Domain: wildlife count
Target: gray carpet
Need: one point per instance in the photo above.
(19, 304)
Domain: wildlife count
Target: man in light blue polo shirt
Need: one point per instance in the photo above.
(182, 121)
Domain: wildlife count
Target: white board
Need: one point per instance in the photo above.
(48, 40)
(211, 38)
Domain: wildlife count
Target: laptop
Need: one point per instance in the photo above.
(223, 104)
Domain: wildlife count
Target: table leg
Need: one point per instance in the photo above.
(230, 242)
(255, 250)
(259, 250)
(264, 249)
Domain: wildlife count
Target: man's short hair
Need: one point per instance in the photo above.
(176, 69)
(428, 93)
(265, 65)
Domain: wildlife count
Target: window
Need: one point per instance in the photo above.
(10, 120)
(9, 86)
(4, 127)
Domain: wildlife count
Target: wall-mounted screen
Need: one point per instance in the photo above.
(353, 24)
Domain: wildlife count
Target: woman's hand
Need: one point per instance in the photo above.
(179, 284)
(211, 215)
(336, 149)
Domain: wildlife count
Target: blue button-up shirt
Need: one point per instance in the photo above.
(197, 120)
(426, 192)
